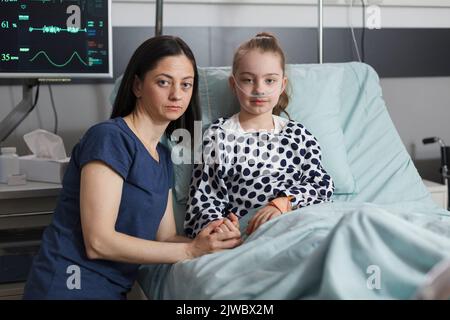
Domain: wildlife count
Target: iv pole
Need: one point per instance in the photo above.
(320, 30)
(159, 18)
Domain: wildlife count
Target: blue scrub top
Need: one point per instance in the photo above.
(62, 256)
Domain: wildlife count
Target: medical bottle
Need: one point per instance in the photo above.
(9, 163)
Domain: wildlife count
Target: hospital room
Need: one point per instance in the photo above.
(220, 150)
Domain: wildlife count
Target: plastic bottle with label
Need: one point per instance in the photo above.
(9, 163)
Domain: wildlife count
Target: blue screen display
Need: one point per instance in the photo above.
(70, 38)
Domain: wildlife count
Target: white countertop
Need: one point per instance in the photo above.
(30, 189)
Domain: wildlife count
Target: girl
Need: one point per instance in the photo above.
(256, 159)
(115, 210)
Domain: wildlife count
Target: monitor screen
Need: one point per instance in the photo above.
(55, 39)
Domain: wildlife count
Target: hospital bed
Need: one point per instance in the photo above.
(377, 239)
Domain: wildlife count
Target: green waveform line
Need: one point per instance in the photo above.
(59, 65)
(53, 29)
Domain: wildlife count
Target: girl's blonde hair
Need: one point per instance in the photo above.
(266, 42)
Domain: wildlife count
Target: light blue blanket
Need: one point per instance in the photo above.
(329, 251)
(377, 243)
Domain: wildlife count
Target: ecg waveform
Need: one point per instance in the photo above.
(60, 65)
(53, 29)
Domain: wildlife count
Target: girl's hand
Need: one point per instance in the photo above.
(224, 227)
(261, 216)
(208, 241)
(234, 219)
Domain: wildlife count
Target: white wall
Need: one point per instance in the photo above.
(419, 107)
(276, 14)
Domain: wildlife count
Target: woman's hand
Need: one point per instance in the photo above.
(209, 241)
(261, 216)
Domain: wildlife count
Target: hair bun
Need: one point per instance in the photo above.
(265, 35)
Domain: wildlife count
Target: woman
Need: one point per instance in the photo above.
(115, 210)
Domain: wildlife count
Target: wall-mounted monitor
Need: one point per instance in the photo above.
(55, 39)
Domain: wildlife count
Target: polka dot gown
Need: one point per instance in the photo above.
(246, 170)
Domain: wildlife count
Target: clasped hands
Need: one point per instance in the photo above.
(225, 234)
(263, 215)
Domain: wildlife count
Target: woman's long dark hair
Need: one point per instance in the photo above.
(144, 59)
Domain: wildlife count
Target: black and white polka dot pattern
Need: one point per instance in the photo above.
(243, 171)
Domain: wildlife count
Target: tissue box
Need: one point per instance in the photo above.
(43, 170)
